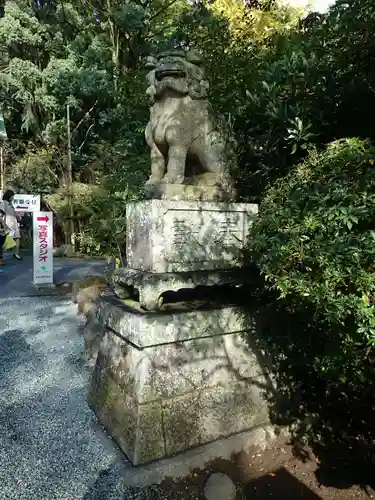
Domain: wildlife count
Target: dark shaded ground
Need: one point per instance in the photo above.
(274, 473)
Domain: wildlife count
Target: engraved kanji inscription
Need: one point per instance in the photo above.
(180, 232)
(229, 232)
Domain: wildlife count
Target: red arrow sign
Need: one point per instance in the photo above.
(43, 219)
(22, 208)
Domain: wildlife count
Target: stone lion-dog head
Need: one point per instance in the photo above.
(176, 72)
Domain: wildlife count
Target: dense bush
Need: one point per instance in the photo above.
(315, 244)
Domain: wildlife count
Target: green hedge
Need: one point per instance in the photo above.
(315, 245)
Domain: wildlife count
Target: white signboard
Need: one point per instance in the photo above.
(43, 248)
(25, 202)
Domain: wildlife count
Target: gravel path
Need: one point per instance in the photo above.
(16, 277)
(51, 445)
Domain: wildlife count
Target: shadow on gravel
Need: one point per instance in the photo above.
(110, 486)
(49, 444)
(14, 351)
(107, 486)
(53, 429)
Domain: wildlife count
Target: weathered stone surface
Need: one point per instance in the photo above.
(204, 416)
(172, 237)
(180, 466)
(88, 309)
(136, 428)
(93, 334)
(186, 141)
(161, 400)
(85, 293)
(149, 328)
(162, 428)
(186, 192)
(166, 381)
(219, 487)
(151, 286)
(169, 370)
(122, 292)
(86, 297)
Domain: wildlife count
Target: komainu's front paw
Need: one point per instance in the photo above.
(173, 179)
(153, 180)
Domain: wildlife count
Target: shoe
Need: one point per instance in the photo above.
(16, 256)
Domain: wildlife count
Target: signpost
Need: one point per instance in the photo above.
(3, 132)
(43, 248)
(25, 202)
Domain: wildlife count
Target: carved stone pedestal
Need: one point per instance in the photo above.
(186, 371)
(185, 236)
(166, 382)
(177, 245)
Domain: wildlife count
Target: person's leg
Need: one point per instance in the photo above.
(2, 241)
(16, 252)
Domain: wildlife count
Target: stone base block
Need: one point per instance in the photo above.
(204, 416)
(180, 466)
(176, 369)
(163, 399)
(150, 328)
(136, 428)
(151, 286)
(164, 427)
(183, 236)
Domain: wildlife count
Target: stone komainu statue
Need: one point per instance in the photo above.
(188, 145)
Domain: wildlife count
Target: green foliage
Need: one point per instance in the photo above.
(104, 232)
(315, 241)
(36, 170)
(247, 88)
(89, 55)
(281, 84)
(314, 244)
(82, 198)
(285, 85)
(59, 54)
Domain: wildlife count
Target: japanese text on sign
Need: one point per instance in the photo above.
(26, 203)
(43, 247)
